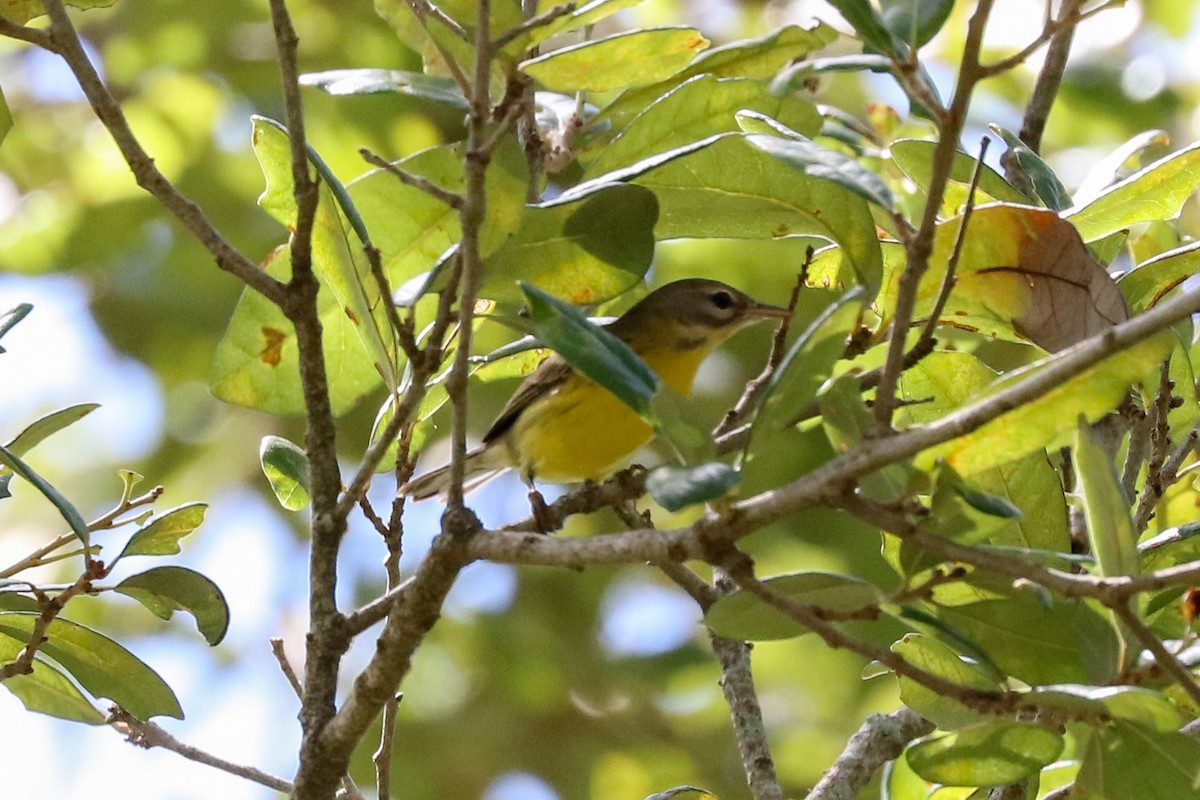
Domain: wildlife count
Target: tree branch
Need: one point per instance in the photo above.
(880, 739)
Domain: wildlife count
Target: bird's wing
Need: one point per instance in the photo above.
(543, 380)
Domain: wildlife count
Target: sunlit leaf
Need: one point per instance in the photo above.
(102, 667)
(160, 536)
(286, 467)
(337, 255)
(942, 382)
(742, 615)
(21, 11)
(698, 108)
(1049, 421)
(632, 58)
(36, 432)
(1152, 280)
(1104, 174)
(65, 508)
(676, 488)
(47, 690)
(165, 590)
(915, 157)
(987, 754)
(747, 58)
(867, 24)
(1154, 193)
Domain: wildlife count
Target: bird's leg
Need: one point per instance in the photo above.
(542, 517)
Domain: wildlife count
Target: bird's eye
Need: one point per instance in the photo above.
(722, 299)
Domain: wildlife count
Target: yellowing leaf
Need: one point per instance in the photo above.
(634, 58)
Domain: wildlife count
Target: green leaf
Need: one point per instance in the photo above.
(257, 362)
(165, 590)
(1068, 643)
(757, 58)
(102, 667)
(915, 21)
(988, 754)
(1138, 704)
(21, 11)
(161, 535)
(676, 488)
(569, 250)
(36, 432)
(822, 163)
(593, 351)
(337, 256)
(11, 317)
(631, 58)
(1048, 421)
(286, 467)
(915, 158)
(681, 791)
(1152, 280)
(371, 81)
(1127, 760)
(6, 122)
(743, 616)
(1105, 173)
(806, 365)
(1110, 528)
(1046, 184)
(933, 656)
(1155, 193)
(698, 108)
(729, 189)
(47, 690)
(867, 25)
(846, 420)
(942, 382)
(64, 506)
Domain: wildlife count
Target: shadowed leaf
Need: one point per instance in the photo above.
(165, 590)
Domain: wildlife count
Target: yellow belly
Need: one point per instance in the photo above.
(583, 432)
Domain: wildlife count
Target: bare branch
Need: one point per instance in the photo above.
(430, 188)
(545, 18)
(1170, 664)
(148, 735)
(880, 739)
(35, 36)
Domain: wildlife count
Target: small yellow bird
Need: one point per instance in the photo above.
(561, 427)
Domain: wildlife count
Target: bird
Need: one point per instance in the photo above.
(562, 427)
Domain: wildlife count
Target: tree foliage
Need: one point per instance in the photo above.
(959, 491)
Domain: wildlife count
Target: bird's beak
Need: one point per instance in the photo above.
(763, 311)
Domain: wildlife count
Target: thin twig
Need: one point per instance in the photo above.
(148, 734)
(285, 666)
(35, 36)
(925, 341)
(921, 246)
(756, 387)
(430, 188)
(537, 21)
(50, 609)
(423, 8)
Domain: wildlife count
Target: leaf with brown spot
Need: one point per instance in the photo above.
(272, 352)
(1024, 274)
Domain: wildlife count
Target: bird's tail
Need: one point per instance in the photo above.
(482, 464)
